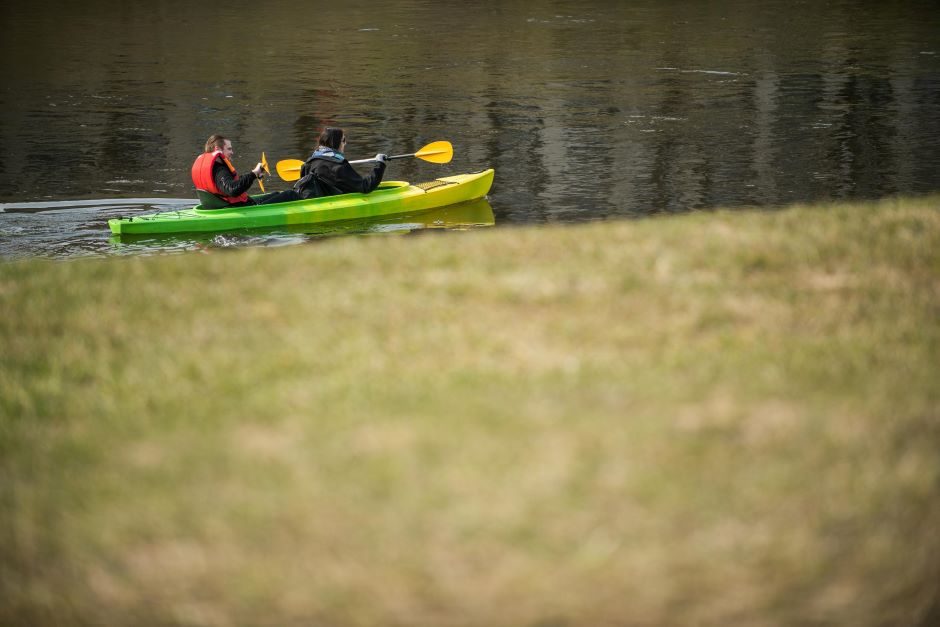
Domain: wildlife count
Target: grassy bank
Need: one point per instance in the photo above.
(724, 418)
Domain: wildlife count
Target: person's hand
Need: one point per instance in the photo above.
(259, 170)
(381, 158)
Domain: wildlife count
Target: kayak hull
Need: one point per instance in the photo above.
(389, 198)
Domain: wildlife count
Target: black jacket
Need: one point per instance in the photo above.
(229, 184)
(328, 173)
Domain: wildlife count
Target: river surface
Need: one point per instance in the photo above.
(588, 110)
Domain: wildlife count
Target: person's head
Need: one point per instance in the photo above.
(333, 137)
(217, 142)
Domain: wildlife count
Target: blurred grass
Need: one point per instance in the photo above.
(721, 418)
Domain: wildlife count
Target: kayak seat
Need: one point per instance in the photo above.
(208, 200)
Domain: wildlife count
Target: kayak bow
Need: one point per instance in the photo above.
(391, 197)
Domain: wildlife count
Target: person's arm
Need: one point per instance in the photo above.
(348, 180)
(231, 185)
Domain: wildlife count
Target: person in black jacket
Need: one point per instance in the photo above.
(327, 172)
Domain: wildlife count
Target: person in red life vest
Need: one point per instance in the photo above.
(219, 185)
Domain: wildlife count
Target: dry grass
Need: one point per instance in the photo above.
(726, 418)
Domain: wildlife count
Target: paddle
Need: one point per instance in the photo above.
(264, 166)
(435, 152)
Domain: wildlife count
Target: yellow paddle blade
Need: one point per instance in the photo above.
(289, 169)
(264, 166)
(436, 152)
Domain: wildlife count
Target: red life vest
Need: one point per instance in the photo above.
(202, 175)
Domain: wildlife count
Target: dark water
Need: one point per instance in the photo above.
(587, 110)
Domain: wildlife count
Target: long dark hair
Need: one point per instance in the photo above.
(331, 137)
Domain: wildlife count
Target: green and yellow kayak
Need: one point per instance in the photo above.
(391, 197)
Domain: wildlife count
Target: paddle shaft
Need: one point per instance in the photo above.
(389, 158)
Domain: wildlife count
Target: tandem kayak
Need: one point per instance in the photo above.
(390, 198)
